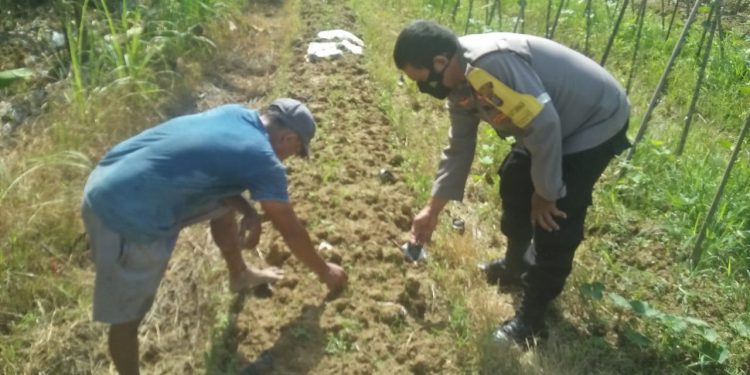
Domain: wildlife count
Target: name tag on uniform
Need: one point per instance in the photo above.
(520, 108)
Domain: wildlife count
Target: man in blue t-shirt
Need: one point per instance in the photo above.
(190, 169)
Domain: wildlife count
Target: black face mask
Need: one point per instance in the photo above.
(434, 85)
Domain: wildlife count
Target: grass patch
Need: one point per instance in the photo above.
(653, 313)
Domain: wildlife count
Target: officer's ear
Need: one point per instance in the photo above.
(440, 62)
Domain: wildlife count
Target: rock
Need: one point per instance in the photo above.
(386, 176)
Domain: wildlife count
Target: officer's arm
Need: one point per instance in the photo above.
(457, 157)
(543, 137)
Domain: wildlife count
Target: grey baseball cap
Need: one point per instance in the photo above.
(294, 115)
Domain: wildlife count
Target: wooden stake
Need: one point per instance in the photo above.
(633, 61)
(662, 81)
(468, 17)
(698, 249)
(588, 27)
(519, 19)
(671, 20)
(699, 83)
(557, 18)
(614, 33)
(547, 18)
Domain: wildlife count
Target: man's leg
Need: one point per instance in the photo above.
(123, 347)
(516, 189)
(127, 277)
(225, 232)
(550, 260)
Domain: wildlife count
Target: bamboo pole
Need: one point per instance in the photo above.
(519, 19)
(699, 83)
(588, 26)
(662, 81)
(633, 61)
(499, 14)
(468, 16)
(706, 26)
(721, 34)
(671, 20)
(557, 18)
(547, 18)
(698, 249)
(455, 11)
(491, 14)
(614, 33)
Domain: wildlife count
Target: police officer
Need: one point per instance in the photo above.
(568, 117)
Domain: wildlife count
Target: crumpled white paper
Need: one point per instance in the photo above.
(335, 43)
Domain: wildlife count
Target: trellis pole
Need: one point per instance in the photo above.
(521, 14)
(455, 11)
(707, 26)
(701, 75)
(633, 61)
(662, 81)
(491, 14)
(671, 20)
(547, 18)
(588, 26)
(468, 16)
(499, 14)
(557, 18)
(614, 33)
(698, 249)
(720, 29)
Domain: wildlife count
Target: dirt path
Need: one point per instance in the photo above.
(388, 320)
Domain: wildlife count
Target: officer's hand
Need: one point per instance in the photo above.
(543, 213)
(334, 277)
(423, 226)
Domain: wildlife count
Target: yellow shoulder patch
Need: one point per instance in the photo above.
(520, 108)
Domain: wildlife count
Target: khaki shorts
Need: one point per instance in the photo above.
(128, 273)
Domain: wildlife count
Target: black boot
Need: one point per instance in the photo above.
(508, 270)
(521, 332)
(527, 328)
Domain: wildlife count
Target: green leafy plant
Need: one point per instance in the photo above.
(7, 77)
(709, 348)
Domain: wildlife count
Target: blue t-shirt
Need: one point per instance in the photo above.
(149, 185)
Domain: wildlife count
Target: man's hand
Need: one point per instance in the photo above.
(543, 213)
(250, 230)
(334, 277)
(423, 226)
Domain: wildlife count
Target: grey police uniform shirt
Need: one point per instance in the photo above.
(587, 107)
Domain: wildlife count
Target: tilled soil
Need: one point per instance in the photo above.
(389, 319)
(352, 197)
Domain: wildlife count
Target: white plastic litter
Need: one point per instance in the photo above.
(332, 44)
(341, 35)
(58, 40)
(323, 50)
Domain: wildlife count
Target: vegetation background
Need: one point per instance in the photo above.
(634, 304)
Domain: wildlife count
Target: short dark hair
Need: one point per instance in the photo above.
(422, 40)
